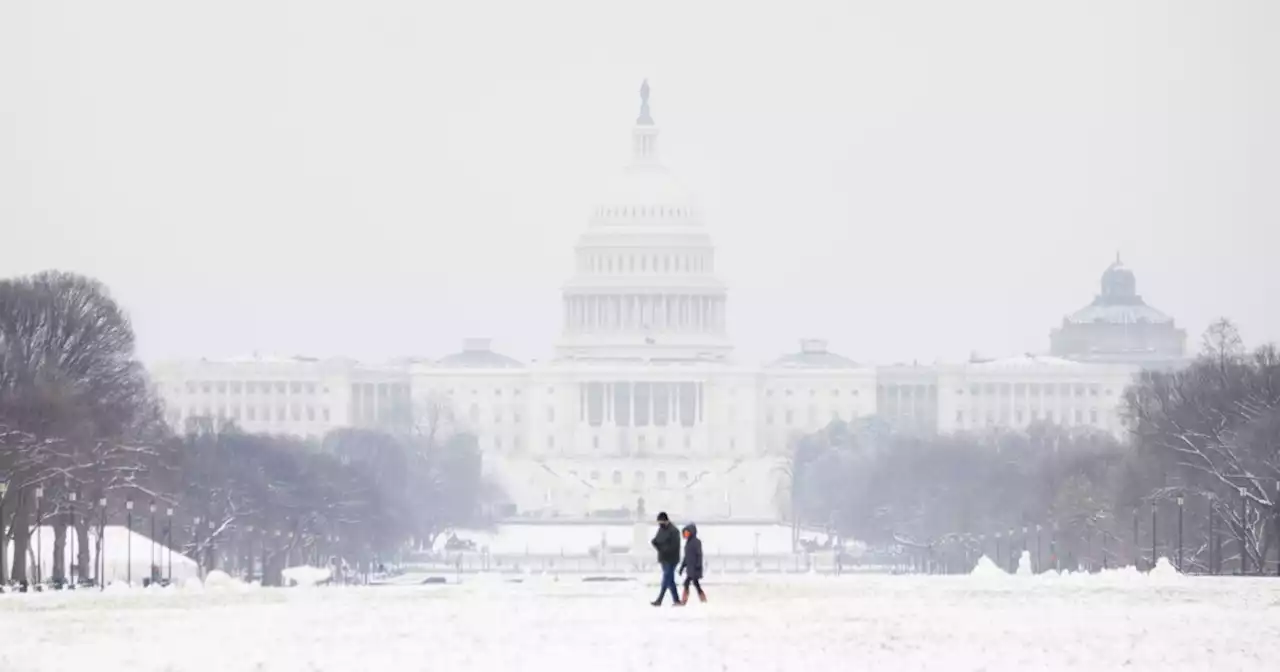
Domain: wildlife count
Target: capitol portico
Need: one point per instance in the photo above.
(644, 397)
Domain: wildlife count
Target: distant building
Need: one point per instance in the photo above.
(1119, 327)
(644, 398)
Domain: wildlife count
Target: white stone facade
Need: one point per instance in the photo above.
(643, 398)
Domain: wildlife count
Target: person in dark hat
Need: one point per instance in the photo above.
(667, 543)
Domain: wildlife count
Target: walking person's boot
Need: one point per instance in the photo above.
(684, 599)
(702, 597)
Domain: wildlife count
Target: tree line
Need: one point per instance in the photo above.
(1197, 470)
(83, 444)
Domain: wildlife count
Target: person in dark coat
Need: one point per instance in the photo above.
(667, 543)
(691, 566)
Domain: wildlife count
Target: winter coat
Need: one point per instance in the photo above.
(692, 565)
(667, 543)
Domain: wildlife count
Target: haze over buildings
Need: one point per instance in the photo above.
(910, 180)
(644, 397)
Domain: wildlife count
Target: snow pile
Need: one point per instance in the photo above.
(986, 567)
(218, 580)
(1024, 564)
(1164, 570)
(305, 575)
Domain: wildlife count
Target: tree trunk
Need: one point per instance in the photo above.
(60, 549)
(82, 550)
(21, 538)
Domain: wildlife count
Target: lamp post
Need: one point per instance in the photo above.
(4, 572)
(999, 558)
(128, 558)
(1154, 535)
(213, 550)
(168, 541)
(1039, 553)
(102, 543)
(1012, 566)
(1137, 551)
(1278, 526)
(1180, 502)
(1213, 537)
(249, 533)
(1244, 546)
(39, 537)
(71, 513)
(151, 568)
(1053, 548)
(195, 545)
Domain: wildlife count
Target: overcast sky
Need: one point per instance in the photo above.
(911, 180)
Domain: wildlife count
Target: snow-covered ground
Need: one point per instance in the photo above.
(987, 621)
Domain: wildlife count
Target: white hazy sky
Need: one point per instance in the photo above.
(909, 179)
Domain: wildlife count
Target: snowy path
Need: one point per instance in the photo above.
(781, 623)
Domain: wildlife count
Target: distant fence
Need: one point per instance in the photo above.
(822, 563)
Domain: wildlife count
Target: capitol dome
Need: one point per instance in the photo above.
(645, 193)
(644, 286)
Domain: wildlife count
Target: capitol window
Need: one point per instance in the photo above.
(551, 442)
(617, 477)
(235, 388)
(595, 442)
(662, 478)
(595, 475)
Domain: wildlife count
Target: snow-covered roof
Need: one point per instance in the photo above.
(1102, 312)
(1026, 361)
(814, 355)
(477, 354)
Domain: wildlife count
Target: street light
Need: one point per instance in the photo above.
(39, 537)
(1039, 552)
(102, 543)
(195, 544)
(1153, 534)
(1180, 501)
(128, 570)
(4, 574)
(71, 511)
(151, 568)
(1244, 520)
(168, 541)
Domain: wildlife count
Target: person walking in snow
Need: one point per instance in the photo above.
(691, 566)
(667, 543)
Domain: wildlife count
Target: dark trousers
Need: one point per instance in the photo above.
(696, 586)
(669, 582)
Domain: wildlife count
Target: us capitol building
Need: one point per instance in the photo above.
(644, 398)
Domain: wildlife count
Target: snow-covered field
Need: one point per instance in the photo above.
(799, 622)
